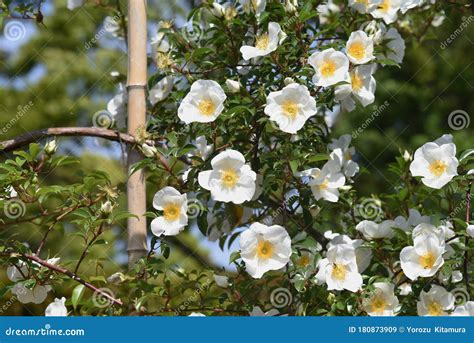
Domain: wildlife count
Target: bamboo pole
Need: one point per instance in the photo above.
(136, 85)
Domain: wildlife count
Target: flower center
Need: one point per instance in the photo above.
(356, 82)
(384, 6)
(378, 304)
(427, 260)
(206, 107)
(339, 271)
(262, 42)
(357, 50)
(264, 249)
(327, 69)
(437, 168)
(171, 212)
(303, 261)
(290, 109)
(229, 178)
(435, 309)
(323, 186)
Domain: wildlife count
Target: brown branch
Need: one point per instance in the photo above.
(110, 135)
(66, 272)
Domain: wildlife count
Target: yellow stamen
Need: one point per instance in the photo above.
(356, 50)
(262, 41)
(264, 249)
(384, 6)
(378, 304)
(339, 272)
(206, 107)
(437, 168)
(303, 261)
(324, 185)
(427, 260)
(327, 69)
(435, 309)
(171, 212)
(229, 178)
(290, 109)
(356, 82)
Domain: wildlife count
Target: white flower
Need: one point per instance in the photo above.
(442, 232)
(405, 5)
(230, 180)
(264, 43)
(339, 270)
(465, 310)
(363, 254)
(348, 166)
(395, 44)
(405, 288)
(435, 302)
(387, 11)
(232, 86)
(254, 6)
(331, 67)
(325, 10)
(159, 44)
(106, 207)
(72, 4)
(174, 206)
(161, 90)
(204, 102)
(414, 219)
(470, 230)
(424, 258)
(56, 308)
(382, 302)
(264, 248)
(360, 47)
(372, 230)
(196, 314)
(365, 6)
(291, 6)
(117, 107)
(27, 295)
(326, 182)
(290, 107)
(221, 281)
(203, 149)
(257, 312)
(436, 163)
(288, 81)
(362, 86)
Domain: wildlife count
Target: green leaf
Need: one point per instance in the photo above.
(77, 293)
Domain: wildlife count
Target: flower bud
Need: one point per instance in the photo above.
(233, 86)
(149, 151)
(288, 81)
(106, 207)
(50, 147)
